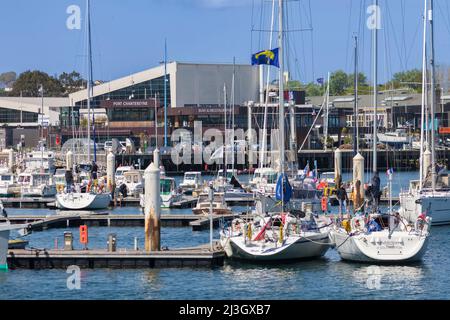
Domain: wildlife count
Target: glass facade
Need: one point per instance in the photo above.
(131, 114)
(140, 91)
(13, 116)
(66, 118)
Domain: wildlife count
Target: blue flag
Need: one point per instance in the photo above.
(269, 57)
(284, 189)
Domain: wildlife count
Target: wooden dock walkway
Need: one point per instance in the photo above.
(124, 259)
(50, 203)
(67, 219)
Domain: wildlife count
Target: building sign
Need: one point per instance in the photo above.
(150, 103)
(43, 120)
(444, 130)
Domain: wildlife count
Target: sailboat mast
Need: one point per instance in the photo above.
(281, 86)
(225, 130)
(433, 99)
(375, 86)
(165, 93)
(355, 104)
(232, 111)
(89, 81)
(327, 112)
(424, 92)
(263, 149)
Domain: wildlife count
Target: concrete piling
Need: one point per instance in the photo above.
(69, 160)
(358, 180)
(110, 171)
(152, 208)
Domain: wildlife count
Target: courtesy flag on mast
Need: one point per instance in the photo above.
(268, 57)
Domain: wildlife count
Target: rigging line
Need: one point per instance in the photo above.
(313, 58)
(261, 18)
(447, 23)
(413, 42)
(403, 12)
(252, 25)
(395, 36)
(302, 39)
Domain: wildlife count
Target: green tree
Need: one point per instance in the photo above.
(409, 79)
(29, 84)
(314, 90)
(71, 82)
(338, 83)
(7, 78)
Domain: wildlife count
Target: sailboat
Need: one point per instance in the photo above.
(380, 238)
(430, 194)
(283, 235)
(91, 200)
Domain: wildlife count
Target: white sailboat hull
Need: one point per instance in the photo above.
(377, 247)
(83, 201)
(310, 246)
(435, 204)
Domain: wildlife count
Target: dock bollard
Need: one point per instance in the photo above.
(112, 242)
(68, 241)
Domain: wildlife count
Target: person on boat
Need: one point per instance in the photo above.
(69, 181)
(94, 174)
(376, 193)
(342, 197)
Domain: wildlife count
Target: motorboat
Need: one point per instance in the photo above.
(36, 184)
(8, 185)
(134, 181)
(219, 206)
(192, 180)
(119, 175)
(170, 193)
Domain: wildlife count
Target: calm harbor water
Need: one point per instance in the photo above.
(326, 278)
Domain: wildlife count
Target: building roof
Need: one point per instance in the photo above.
(51, 105)
(366, 101)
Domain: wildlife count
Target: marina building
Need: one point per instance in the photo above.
(126, 107)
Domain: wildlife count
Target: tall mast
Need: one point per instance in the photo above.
(433, 99)
(281, 86)
(264, 134)
(165, 93)
(232, 111)
(327, 111)
(89, 81)
(355, 104)
(225, 131)
(424, 91)
(375, 86)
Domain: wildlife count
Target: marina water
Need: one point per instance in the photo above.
(326, 278)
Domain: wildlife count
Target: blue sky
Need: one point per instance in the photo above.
(128, 36)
